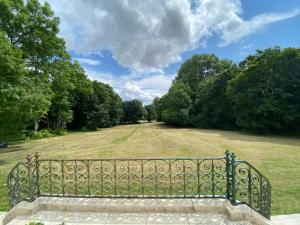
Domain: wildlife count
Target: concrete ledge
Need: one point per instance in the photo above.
(131, 205)
(22, 209)
(2, 215)
(291, 219)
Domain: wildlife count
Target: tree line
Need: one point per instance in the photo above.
(41, 87)
(260, 94)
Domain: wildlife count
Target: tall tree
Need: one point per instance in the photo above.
(196, 69)
(133, 111)
(213, 107)
(79, 96)
(157, 103)
(266, 93)
(176, 105)
(60, 112)
(12, 89)
(33, 28)
(103, 107)
(150, 112)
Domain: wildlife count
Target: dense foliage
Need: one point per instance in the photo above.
(40, 85)
(43, 91)
(150, 113)
(13, 88)
(101, 108)
(133, 111)
(266, 91)
(261, 94)
(177, 104)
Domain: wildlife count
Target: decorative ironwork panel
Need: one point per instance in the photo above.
(252, 188)
(133, 177)
(22, 182)
(224, 177)
(212, 175)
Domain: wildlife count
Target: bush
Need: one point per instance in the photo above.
(44, 133)
(59, 132)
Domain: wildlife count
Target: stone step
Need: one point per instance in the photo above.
(87, 218)
(244, 222)
(2, 214)
(195, 211)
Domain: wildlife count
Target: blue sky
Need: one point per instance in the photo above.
(138, 46)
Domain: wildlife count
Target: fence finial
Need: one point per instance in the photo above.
(36, 156)
(28, 159)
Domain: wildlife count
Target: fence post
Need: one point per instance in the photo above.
(233, 162)
(228, 175)
(36, 159)
(29, 178)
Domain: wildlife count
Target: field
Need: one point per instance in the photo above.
(278, 158)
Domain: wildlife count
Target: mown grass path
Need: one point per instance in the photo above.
(278, 158)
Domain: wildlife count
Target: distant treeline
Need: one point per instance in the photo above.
(41, 86)
(261, 94)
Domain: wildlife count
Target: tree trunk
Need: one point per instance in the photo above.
(36, 126)
(48, 125)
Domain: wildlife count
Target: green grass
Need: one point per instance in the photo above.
(276, 157)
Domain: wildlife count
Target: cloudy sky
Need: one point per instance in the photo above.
(137, 46)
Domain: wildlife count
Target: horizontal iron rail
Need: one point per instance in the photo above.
(254, 168)
(120, 159)
(146, 177)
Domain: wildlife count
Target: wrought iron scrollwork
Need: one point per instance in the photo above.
(252, 188)
(22, 181)
(222, 177)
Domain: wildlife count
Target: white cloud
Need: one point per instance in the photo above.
(146, 36)
(149, 35)
(87, 61)
(129, 87)
(239, 29)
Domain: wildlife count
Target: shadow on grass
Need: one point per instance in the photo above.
(13, 147)
(236, 135)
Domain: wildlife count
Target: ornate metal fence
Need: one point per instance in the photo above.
(223, 177)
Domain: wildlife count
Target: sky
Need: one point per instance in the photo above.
(137, 46)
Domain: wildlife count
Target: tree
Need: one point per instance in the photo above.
(150, 113)
(39, 80)
(176, 105)
(103, 107)
(133, 111)
(157, 103)
(12, 90)
(21, 98)
(60, 112)
(213, 107)
(266, 92)
(83, 89)
(33, 28)
(196, 69)
(201, 88)
(102, 111)
(115, 110)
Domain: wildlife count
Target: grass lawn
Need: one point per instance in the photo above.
(278, 158)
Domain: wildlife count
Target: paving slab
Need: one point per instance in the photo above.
(2, 214)
(86, 218)
(207, 218)
(56, 210)
(291, 219)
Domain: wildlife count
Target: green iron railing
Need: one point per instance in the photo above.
(223, 177)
